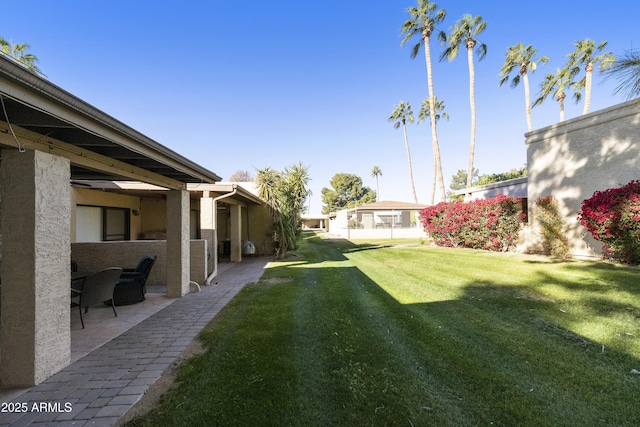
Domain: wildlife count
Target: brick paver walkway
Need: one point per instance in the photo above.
(99, 388)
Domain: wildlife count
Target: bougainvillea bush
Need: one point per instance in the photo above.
(613, 217)
(491, 224)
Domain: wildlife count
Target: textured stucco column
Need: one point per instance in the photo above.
(36, 206)
(208, 231)
(177, 243)
(235, 233)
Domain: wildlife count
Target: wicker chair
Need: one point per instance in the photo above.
(94, 289)
(132, 285)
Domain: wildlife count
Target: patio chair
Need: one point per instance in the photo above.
(131, 287)
(95, 288)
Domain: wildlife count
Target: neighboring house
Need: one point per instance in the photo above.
(315, 222)
(385, 219)
(572, 159)
(516, 187)
(51, 145)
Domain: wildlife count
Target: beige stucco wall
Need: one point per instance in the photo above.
(34, 329)
(154, 215)
(573, 159)
(258, 229)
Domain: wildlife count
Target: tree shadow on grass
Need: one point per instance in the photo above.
(496, 353)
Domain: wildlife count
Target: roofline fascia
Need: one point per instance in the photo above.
(50, 93)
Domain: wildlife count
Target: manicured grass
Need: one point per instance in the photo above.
(398, 333)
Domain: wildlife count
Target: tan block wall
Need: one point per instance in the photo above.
(99, 255)
(573, 159)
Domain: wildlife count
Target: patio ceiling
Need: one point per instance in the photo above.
(44, 117)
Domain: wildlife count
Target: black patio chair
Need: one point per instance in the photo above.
(94, 289)
(132, 285)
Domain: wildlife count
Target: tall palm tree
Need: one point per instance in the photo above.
(422, 21)
(425, 111)
(465, 32)
(376, 172)
(555, 84)
(627, 71)
(17, 52)
(400, 115)
(586, 53)
(524, 59)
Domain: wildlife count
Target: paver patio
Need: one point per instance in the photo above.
(99, 388)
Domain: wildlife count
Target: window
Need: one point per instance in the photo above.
(99, 223)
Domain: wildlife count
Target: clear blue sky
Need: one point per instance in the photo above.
(245, 85)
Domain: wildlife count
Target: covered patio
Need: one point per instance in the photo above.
(50, 139)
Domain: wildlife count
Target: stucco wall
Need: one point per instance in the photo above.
(35, 310)
(258, 229)
(573, 159)
(99, 255)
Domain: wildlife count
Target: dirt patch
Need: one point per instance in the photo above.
(276, 280)
(151, 397)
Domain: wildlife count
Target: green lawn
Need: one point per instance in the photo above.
(397, 333)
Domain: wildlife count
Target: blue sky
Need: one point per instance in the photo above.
(245, 85)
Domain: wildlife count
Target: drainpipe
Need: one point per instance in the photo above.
(214, 273)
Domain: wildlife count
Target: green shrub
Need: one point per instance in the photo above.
(552, 227)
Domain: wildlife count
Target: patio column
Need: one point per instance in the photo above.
(35, 334)
(177, 243)
(208, 230)
(236, 233)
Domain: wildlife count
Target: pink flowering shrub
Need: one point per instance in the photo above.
(613, 218)
(491, 224)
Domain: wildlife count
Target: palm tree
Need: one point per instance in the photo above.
(401, 113)
(586, 53)
(17, 52)
(295, 191)
(627, 71)
(466, 32)
(555, 84)
(524, 59)
(423, 19)
(425, 112)
(284, 196)
(376, 172)
(268, 182)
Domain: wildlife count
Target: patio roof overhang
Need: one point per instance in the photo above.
(38, 115)
(141, 189)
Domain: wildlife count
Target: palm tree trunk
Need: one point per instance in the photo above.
(406, 144)
(283, 240)
(561, 98)
(433, 187)
(377, 189)
(434, 133)
(472, 102)
(527, 100)
(587, 87)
